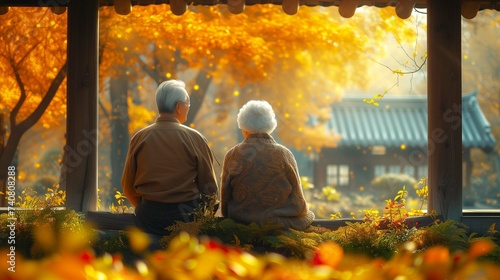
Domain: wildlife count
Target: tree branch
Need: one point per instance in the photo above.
(152, 73)
(51, 92)
(19, 104)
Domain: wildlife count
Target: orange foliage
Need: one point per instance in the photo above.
(300, 64)
(32, 51)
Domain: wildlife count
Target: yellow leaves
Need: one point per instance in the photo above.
(330, 193)
(401, 29)
(306, 184)
(374, 101)
(492, 229)
(118, 195)
(371, 101)
(335, 216)
(139, 241)
(139, 116)
(36, 58)
(45, 238)
(121, 207)
(423, 181)
(422, 193)
(55, 196)
(398, 71)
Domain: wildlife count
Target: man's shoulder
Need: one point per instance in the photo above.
(141, 132)
(192, 132)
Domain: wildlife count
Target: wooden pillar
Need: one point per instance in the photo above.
(444, 108)
(80, 153)
(467, 184)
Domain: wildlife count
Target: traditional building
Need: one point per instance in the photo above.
(393, 138)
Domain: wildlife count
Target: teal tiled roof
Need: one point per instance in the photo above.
(398, 121)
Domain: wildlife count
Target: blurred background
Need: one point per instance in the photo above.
(349, 95)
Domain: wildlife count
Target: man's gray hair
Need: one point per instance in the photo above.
(257, 116)
(169, 93)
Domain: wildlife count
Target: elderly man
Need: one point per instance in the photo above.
(169, 166)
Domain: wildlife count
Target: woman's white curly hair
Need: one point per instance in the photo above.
(257, 116)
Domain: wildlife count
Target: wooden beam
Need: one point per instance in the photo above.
(444, 108)
(290, 7)
(178, 7)
(404, 8)
(347, 8)
(236, 6)
(80, 153)
(123, 7)
(470, 9)
(4, 10)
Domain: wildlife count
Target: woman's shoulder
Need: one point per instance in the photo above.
(233, 149)
(284, 149)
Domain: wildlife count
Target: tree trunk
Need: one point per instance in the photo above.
(8, 152)
(119, 122)
(203, 80)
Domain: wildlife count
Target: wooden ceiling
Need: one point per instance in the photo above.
(347, 8)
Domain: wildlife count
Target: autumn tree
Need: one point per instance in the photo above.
(33, 67)
(261, 53)
(299, 63)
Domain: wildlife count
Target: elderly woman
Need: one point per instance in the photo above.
(260, 179)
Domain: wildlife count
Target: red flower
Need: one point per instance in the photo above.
(87, 256)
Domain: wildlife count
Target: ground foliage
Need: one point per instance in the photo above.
(376, 236)
(54, 242)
